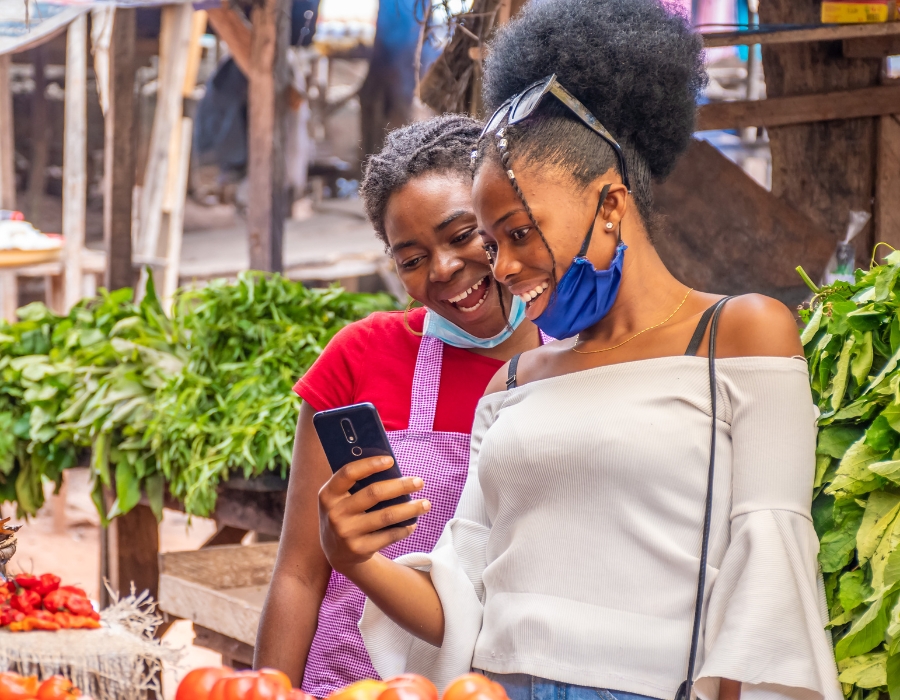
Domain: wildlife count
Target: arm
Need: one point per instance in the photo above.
(352, 538)
(301, 574)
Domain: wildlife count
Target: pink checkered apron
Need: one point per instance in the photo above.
(338, 656)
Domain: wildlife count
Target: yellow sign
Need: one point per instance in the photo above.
(849, 12)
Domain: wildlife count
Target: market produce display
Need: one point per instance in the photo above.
(16, 687)
(223, 683)
(179, 401)
(40, 603)
(852, 343)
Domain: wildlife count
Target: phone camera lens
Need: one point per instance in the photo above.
(349, 432)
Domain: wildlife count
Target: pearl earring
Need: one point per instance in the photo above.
(609, 224)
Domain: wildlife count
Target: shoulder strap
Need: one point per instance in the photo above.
(694, 345)
(511, 372)
(684, 690)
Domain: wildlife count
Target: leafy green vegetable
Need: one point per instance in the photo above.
(852, 345)
(181, 402)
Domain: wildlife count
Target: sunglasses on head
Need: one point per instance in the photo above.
(521, 106)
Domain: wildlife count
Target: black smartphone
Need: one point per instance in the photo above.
(356, 432)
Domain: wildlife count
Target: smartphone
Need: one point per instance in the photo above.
(356, 432)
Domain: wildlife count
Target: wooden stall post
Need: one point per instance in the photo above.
(267, 104)
(75, 158)
(119, 152)
(887, 184)
(7, 141)
(40, 136)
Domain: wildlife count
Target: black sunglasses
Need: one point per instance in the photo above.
(521, 106)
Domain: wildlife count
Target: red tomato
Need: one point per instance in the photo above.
(276, 675)
(57, 688)
(474, 686)
(409, 686)
(16, 687)
(197, 684)
(234, 687)
(361, 690)
(267, 687)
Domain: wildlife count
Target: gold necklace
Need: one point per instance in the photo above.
(649, 328)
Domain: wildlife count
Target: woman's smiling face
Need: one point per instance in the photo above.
(433, 237)
(564, 211)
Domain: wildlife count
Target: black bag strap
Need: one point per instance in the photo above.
(511, 372)
(684, 690)
(694, 345)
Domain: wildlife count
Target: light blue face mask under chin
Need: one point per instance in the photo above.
(439, 327)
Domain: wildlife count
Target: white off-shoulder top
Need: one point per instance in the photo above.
(574, 551)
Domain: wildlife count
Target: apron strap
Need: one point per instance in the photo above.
(426, 384)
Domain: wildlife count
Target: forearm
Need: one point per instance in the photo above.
(407, 596)
(287, 626)
(729, 690)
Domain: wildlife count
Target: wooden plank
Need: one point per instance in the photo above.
(7, 138)
(872, 47)
(40, 136)
(175, 36)
(802, 109)
(226, 535)
(75, 158)
(195, 53)
(177, 195)
(133, 546)
(223, 567)
(825, 169)
(726, 234)
(887, 184)
(267, 111)
(801, 34)
(235, 654)
(119, 152)
(9, 295)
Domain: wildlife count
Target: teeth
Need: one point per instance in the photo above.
(460, 297)
(470, 310)
(528, 297)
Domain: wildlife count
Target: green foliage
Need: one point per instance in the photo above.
(852, 344)
(180, 401)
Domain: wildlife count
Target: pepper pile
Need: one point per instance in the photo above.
(39, 603)
(16, 687)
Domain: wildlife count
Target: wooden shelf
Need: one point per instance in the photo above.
(791, 35)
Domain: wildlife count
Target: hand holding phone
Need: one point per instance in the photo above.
(354, 528)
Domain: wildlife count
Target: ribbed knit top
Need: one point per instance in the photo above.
(574, 551)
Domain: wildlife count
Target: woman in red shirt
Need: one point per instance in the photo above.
(424, 370)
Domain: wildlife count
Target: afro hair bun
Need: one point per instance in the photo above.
(637, 65)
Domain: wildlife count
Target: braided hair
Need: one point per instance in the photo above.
(441, 144)
(635, 64)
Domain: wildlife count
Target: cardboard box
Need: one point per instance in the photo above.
(858, 11)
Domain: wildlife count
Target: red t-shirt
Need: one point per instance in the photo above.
(374, 360)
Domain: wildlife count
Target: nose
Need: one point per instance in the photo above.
(445, 264)
(505, 266)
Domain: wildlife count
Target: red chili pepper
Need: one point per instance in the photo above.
(10, 586)
(73, 589)
(79, 606)
(28, 581)
(55, 601)
(48, 583)
(26, 602)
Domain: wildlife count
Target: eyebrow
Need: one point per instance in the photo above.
(401, 246)
(508, 214)
(450, 219)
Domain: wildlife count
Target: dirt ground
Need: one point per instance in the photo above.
(68, 545)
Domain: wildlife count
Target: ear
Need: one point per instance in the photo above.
(613, 209)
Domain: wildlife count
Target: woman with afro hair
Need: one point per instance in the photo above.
(424, 370)
(636, 520)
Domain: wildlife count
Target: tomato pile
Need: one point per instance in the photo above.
(222, 683)
(16, 687)
(39, 603)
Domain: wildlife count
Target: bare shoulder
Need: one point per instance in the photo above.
(529, 367)
(498, 381)
(757, 325)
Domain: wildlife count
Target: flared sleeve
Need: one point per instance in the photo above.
(766, 617)
(456, 565)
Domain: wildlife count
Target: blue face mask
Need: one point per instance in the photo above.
(584, 295)
(439, 327)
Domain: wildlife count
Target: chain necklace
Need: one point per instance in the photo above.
(628, 340)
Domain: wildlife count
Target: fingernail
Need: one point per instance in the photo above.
(413, 527)
(426, 505)
(386, 460)
(418, 483)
